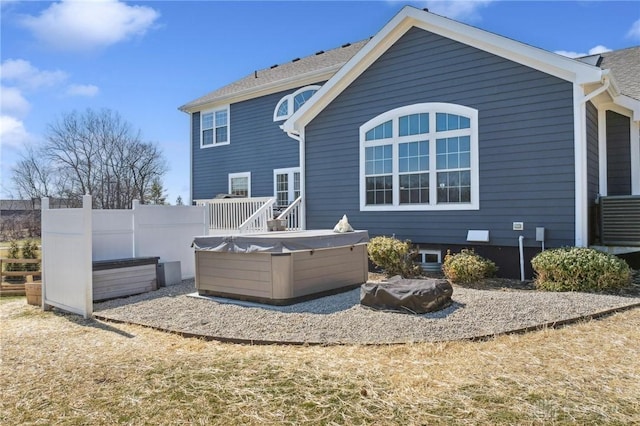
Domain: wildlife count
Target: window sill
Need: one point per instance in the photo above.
(214, 145)
(414, 207)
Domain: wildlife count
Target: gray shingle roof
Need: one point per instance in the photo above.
(333, 58)
(625, 67)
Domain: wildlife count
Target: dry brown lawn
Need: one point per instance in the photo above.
(62, 369)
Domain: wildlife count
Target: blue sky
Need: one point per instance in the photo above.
(146, 58)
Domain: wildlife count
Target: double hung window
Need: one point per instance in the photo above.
(240, 184)
(214, 127)
(420, 157)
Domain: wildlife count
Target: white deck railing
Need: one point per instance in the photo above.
(234, 214)
(257, 222)
(292, 215)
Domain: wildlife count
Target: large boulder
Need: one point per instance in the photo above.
(407, 295)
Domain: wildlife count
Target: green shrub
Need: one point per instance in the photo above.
(466, 267)
(30, 251)
(395, 257)
(14, 253)
(579, 269)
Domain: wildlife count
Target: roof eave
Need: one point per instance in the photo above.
(315, 76)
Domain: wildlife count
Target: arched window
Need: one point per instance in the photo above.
(292, 102)
(420, 157)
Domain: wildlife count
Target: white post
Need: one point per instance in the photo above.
(87, 242)
(134, 207)
(44, 206)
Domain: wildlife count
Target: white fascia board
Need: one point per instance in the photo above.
(371, 51)
(551, 63)
(629, 103)
(273, 87)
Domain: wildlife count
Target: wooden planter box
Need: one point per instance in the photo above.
(124, 277)
(281, 277)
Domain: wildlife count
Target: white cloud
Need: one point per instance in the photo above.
(593, 51)
(634, 31)
(454, 9)
(13, 132)
(84, 25)
(12, 102)
(88, 90)
(23, 74)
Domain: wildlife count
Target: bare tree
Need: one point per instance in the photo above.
(95, 153)
(33, 177)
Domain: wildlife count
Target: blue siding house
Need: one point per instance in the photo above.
(433, 131)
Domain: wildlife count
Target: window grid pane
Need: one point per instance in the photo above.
(207, 137)
(446, 122)
(414, 188)
(221, 118)
(296, 185)
(413, 157)
(283, 109)
(282, 189)
(221, 134)
(414, 124)
(453, 153)
(207, 121)
(454, 187)
(301, 98)
(381, 131)
(379, 190)
(379, 160)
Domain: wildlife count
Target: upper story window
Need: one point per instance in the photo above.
(214, 127)
(292, 102)
(420, 157)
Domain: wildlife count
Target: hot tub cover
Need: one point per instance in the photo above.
(280, 242)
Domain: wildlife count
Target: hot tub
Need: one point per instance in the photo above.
(280, 267)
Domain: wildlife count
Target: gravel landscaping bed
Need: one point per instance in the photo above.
(341, 319)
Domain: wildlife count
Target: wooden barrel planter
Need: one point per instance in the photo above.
(33, 291)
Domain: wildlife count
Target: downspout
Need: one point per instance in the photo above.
(301, 164)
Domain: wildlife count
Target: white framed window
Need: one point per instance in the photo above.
(240, 184)
(214, 127)
(430, 260)
(292, 102)
(420, 157)
(286, 185)
(429, 256)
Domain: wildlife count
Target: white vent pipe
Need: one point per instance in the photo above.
(520, 246)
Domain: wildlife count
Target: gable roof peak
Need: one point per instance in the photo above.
(409, 17)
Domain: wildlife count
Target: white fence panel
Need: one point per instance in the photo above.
(168, 231)
(66, 258)
(112, 234)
